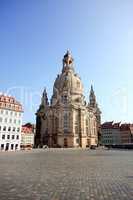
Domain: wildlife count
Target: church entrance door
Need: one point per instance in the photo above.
(65, 142)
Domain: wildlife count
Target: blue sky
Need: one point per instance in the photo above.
(34, 35)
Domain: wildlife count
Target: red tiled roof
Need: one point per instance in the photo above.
(107, 125)
(125, 127)
(116, 125)
(10, 103)
(26, 129)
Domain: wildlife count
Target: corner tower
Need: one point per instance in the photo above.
(93, 104)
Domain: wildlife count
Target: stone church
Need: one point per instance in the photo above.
(68, 120)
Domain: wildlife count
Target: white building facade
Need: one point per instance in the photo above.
(10, 123)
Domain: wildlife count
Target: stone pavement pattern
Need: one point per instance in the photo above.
(66, 175)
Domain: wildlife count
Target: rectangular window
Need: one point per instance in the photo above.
(9, 129)
(8, 137)
(2, 146)
(16, 146)
(13, 137)
(12, 145)
(18, 129)
(4, 128)
(77, 140)
(3, 137)
(76, 129)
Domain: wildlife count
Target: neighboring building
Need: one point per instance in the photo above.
(131, 129)
(109, 133)
(32, 126)
(116, 133)
(10, 123)
(67, 121)
(126, 133)
(27, 137)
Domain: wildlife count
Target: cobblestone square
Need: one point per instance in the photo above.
(68, 174)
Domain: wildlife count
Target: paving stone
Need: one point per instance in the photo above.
(66, 174)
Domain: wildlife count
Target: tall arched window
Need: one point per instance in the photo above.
(76, 123)
(66, 122)
(56, 124)
(87, 128)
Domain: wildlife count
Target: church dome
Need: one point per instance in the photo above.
(68, 80)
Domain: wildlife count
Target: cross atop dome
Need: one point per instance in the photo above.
(68, 52)
(68, 61)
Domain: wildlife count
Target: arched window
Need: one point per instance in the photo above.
(66, 122)
(87, 128)
(76, 123)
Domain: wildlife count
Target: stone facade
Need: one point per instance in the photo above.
(67, 121)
